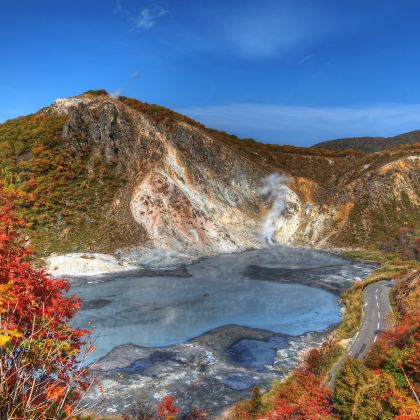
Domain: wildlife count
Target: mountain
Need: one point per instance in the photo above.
(95, 173)
(371, 144)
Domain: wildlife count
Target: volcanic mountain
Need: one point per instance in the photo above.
(103, 174)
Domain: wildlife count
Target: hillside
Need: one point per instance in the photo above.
(371, 144)
(94, 173)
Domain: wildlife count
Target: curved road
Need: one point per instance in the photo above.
(376, 307)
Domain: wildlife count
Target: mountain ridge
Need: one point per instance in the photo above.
(100, 174)
(370, 144)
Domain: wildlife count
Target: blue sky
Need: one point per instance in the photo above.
(288, 72)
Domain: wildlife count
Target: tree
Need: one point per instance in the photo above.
(240, 411)
(364, 394)
(40, 372)
(255, 402)
(316, 360)
(350, 387)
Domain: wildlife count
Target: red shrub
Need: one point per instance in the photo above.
(40, 375)
(167, 410)
(302, 397)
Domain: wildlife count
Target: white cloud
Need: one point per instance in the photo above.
(148, 17)
(145, 19)
(307, 125)
(265, 36)
(271, 28)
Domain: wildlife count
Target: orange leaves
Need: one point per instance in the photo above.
(4, 339)
(302, 397)
(91, 348)
(7, 335)
(54, 393)
(67, 410)
(5, 295)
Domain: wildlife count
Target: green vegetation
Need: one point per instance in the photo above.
(31, 169)
(61, 201)
(384, 220)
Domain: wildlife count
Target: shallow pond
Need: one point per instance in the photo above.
(283, 290)
(207, 332)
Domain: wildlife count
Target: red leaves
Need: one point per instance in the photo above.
(402, 333)
(38, 295)
(39, 369)
(302, 397)
(167, 410)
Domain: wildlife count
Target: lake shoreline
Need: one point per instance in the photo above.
(223, 363)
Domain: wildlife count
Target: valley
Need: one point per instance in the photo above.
(205, 264)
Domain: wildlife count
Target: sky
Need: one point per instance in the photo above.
(281, 71)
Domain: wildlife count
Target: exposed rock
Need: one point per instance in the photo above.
(84, 264)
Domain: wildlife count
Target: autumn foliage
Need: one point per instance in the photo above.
(386, 384)
(303, 397)
(167, 410)
(40, 373)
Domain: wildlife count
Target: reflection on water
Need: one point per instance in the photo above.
(158, 311)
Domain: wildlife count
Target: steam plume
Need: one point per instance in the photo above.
(117, 92)
(274, 188)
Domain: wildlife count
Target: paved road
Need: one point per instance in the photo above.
(376, 307)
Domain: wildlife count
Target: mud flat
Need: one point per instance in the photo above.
(212, 371)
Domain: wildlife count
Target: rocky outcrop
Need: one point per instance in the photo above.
(84, 264)
(187, 191)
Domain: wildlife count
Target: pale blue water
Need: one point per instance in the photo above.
(160, 311)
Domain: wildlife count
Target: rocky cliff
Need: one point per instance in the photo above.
(94, 173)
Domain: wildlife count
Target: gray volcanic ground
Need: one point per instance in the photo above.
(210, 331)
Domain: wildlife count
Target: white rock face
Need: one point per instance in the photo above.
(178, 218)
(84, 264)
(63, 105)
(287, 224)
